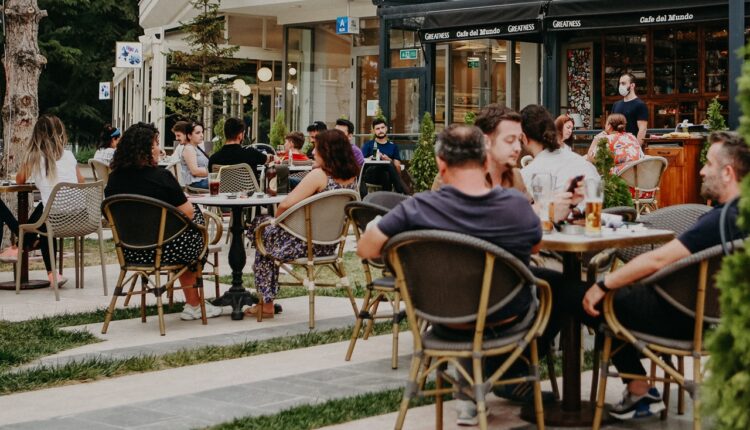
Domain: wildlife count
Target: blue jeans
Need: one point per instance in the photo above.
(203, 183)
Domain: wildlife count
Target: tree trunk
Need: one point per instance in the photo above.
(23, 63)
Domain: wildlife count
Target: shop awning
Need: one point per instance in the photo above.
(509, 19)
(565, 15)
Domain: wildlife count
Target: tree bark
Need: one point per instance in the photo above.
(23, 64)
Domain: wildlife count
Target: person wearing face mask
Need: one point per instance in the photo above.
(634, 109)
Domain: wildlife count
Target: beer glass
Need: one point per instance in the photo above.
(213, 184)
(594, 188)
(542, 188)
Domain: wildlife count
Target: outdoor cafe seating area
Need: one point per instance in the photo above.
(400, 287)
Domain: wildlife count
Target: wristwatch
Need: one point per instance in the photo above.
(602, 287)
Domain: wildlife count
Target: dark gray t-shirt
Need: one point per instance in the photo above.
(502, 217)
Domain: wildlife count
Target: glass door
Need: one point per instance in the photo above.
(365, 88)
(404, 107)
(263, 114)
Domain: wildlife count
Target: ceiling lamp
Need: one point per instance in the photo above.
(265, 74)
(292, 71)
(183, 89)
(244, 91)
(237, 84)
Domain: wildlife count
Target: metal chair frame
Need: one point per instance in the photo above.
(629, 174)
(100, 170)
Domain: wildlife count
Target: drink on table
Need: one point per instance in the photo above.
(271, 180)
(594, 204)
(213, 183)
(542, 187)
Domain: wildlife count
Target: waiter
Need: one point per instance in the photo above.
(634, 109)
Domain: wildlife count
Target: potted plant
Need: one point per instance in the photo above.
(423, 166)
(616, 191)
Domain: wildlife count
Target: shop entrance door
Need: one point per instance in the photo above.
(365, 62)
(265, 102)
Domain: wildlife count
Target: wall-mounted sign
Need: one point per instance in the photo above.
(105, 91)
(347, 25)
(372, 107)
(677, 15)
(480, 31)
(408, 54)
(473, 62)
(129, 54)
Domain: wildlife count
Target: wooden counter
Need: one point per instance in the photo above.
(681, 182)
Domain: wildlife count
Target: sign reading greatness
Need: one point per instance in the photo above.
(480, 31)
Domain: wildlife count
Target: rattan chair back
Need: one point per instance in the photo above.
(100, 170)
(644, 174)
(386, 199)
(678, 218)
(361, 214)
(319, 219)
(433, 264)
(237, 178)
(157, 225)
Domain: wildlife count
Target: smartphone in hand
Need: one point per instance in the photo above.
(574, 183)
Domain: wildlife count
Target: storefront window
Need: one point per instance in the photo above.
(406, 50)
(367, 96)
(369, 32)
(478, 75)
(717, 59)
(441, 77)
(625, 53)
(405, 106)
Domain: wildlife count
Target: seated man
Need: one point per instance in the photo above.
(348, 128)
(642, 309)
(381, 148)
(467, 204)
(232, 153)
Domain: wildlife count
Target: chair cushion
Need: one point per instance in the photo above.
(512, 335)
(686, 345)
(326, 259)
(387, 283)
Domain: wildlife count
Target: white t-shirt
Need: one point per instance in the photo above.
(104, 155)
(66, 172)
(563, 164)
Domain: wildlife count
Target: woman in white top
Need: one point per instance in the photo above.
(48, 141)
(194, 161)
(107, 144)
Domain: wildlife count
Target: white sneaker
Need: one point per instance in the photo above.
(190, 313)
(467, 413)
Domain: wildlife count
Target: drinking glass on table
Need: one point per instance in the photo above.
(213, 184)
(594, 197)
(542, 187)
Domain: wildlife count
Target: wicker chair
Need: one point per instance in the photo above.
(100, 170)
(384, 288)
(215, 230)
(157, 225)
(386, 199)
(72, 210)
(678, 218)
(489, 278)
(689, 286)
(318, 220)
(237, 178)
(644, 175)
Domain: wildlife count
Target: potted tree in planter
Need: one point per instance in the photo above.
(423, 166)
(616, 191)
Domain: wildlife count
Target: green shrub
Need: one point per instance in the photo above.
(85, 153)
(469, 118)
(219, 138)
(423, 167)
(727, 388)
(278, 130)
(616, 191)
(715, 121)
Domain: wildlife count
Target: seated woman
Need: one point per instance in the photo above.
(193, 160)
(48, 142)
(624, 146)
(107, 144)
(338, 169)
(135, 171)
(564, 125)
(293, 143)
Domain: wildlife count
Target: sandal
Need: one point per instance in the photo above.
(253, 310)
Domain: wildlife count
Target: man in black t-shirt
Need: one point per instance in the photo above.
(642, 309)
(634, 109)
(232, 153)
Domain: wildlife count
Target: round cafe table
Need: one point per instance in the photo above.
(237, 296)
(22, 190)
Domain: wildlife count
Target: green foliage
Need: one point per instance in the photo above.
(616, 191)
(84, 154)
(727, 393)
(219, 138)
(278, 130)
(78, 38)
(715, 122)
(423, 167)
(379, 114)
(469, 118)
(208, 57)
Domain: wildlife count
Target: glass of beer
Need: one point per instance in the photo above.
(542, 188)
(213, 184)
(594, 189)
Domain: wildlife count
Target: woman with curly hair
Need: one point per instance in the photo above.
(48, 141)
(337, 169)
(135, 171)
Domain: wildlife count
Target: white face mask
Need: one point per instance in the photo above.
(624, 90)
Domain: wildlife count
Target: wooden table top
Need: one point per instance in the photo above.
(16, 188)
(622, 238)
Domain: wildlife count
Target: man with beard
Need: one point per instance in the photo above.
(383, 149)
(642, 309)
